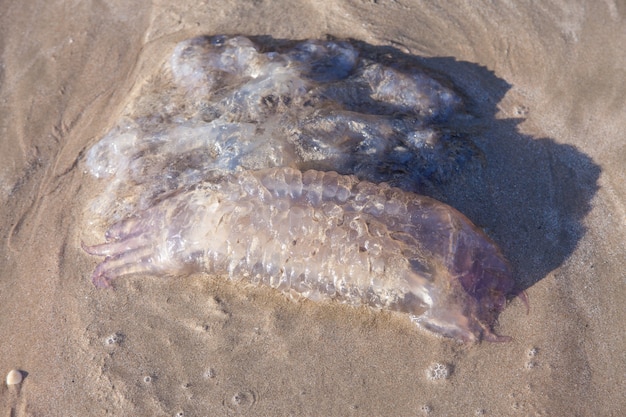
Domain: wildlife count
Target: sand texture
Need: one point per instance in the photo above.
(545, 82)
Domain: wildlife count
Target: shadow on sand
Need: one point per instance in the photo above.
(530, 194)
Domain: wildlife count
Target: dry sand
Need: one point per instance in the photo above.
(548, 81)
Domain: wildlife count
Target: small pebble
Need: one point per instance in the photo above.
(14, 377)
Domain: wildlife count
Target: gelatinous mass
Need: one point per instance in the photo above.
(293, 164)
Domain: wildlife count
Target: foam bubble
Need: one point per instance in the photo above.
(438, 371)
(532, 355)
(114, 339)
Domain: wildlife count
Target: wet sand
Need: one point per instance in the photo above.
(547, 84)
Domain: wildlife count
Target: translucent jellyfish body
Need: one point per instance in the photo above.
(278, 164)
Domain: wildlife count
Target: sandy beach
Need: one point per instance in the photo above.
(545, 82)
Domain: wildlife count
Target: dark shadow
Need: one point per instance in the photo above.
(529, 194)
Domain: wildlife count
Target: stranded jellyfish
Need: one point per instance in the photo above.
(295, 165)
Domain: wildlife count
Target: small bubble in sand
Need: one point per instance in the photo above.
(241, 400)
(438, 371)
(210, 373)
(14, 377)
